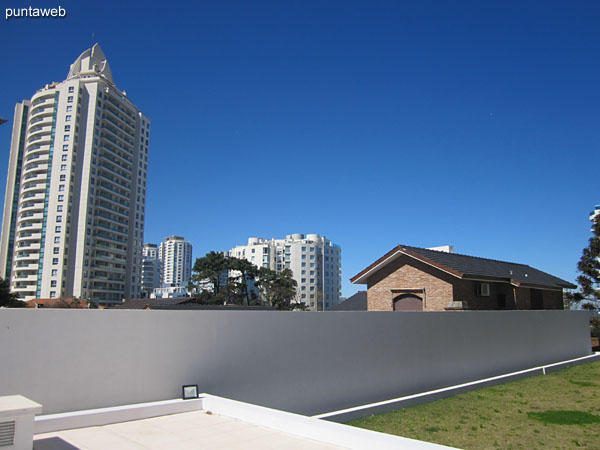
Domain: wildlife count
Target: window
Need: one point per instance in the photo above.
(303, 264)
(63, 167)
(68, 118)
(67, 138)
(54, 261)
(312, 280)
(56, 250)
(303, 256)
(303, 272)
(64, 157)
(54, 272)
(59, 208)
(52, 294)
(69, 108)
(53, 283)
(61, 198)
(70, 99)
(63, 177)
(57, 239)
(303, 249)
(57, 229)
(303, 280)
(65, 147)
(71, 89)
(312, 264)
(61, 188)
(67, 128)
(59, 218)
(312, 272)
(483, 290)
(312, 256)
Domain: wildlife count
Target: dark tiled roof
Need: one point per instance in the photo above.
(357, 302)
(464, 266)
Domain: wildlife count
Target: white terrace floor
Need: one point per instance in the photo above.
(191, 430)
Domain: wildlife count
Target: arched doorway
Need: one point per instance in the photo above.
(408, 302)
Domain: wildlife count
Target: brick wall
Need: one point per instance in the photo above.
(553, 299)
(408, 273)
(466, 291)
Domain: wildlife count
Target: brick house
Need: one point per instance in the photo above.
(419, 279)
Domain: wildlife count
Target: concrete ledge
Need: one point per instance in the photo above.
(105, 416)
(312, 428)
(290, 423)
(358, 412)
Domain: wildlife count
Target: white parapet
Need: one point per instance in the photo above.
(16, 422)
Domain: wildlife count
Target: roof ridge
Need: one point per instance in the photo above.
(468, 256)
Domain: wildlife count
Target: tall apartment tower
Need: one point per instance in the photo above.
(176, 256)
(595, 213)
(314, 260)
(76, 188)
(151, 269)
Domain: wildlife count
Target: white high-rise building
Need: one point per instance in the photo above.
(151, 269)
(595, 213)
(176, 256)
(76, 188)
(314, 260)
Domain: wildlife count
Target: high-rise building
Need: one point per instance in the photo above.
(176, 256)
(313, 259)
(76, 187)
(151, 269)
(595, 213)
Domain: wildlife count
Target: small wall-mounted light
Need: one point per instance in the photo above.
(189, 391)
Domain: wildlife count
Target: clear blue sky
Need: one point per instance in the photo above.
(475, 124)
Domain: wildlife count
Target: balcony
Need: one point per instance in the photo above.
(116, 162)
(115, 115)
(106, 207)
(34, 187)
(34, 196)
(106, 237)
(110, 248)
(114, 170)
(114, 180)
(43, 119)
(109, 189)
(114, 219)
(26, 266)
(36, 177)
(107, 135)
(37, 148)
(124, 233)
(127, 131)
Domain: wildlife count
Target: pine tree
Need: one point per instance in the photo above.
(7, 298)
(589, 268)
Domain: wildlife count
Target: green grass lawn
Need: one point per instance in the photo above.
(560, 410)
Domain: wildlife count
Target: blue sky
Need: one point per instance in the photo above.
(474, 124)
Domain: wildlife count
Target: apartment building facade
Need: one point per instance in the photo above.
(151, 269)
(176, 256)
(76, 187)
(316, 264)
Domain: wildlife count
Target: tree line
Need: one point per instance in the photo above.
(237, 281)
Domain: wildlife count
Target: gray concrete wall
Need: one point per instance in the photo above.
(304, 362)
